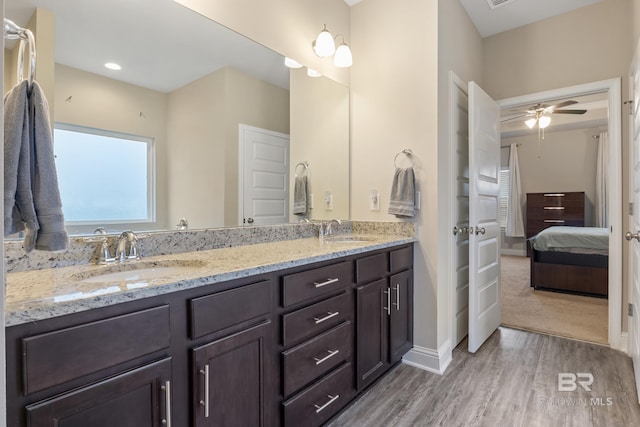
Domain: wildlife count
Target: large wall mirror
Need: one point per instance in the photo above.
(187, 91)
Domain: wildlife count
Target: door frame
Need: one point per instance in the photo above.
(614, 90)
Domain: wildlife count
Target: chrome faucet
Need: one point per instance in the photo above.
(121, 248)
(104, 254)
(326, 229)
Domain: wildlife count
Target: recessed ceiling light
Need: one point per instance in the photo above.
(113, 66)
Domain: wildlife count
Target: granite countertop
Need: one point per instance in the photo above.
(40, 294)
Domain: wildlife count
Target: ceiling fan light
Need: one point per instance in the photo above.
(531, 123)
(544, 121)
(324, 44)
(343, 58)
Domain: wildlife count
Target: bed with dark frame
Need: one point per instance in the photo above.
(574, 268)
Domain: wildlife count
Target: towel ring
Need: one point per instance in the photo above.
(408, 153)
(305, 166)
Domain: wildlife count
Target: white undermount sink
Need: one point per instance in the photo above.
(137, 271)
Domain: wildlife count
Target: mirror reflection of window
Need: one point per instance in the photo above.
(104, 177)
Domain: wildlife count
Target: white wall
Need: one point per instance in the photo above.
(3, 378)
(320, 135)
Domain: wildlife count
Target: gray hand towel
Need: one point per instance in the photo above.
(31, 195)
(52, 235)
(300, 196)
(402, 202)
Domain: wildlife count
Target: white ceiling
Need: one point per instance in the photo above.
(516, 13)
(160, 44)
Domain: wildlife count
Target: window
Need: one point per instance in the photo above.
(104, 177)
(504, 196)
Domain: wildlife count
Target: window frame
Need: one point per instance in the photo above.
(116, 226)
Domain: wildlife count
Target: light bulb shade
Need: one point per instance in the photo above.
(544, 121)
(292, 63)
(530, 123)
(313, 73)
(324, 45)
(343, 58)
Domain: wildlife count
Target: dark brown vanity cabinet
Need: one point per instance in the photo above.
(317, 343)
(384, 312)
(290, 347)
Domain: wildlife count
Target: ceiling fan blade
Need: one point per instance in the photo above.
(562, 104)
(569, 111)
(507, 119)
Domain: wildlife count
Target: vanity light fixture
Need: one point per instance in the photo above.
(324, 46)
(292, 63)
(113, 66)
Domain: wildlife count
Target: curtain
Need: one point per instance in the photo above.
(602, 171)
(515, 221)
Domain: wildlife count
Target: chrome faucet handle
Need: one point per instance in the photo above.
(121, 248)
(105, 254)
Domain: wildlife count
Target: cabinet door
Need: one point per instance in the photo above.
(372, 331)
(401, 318)
(232, 379)
(138, 398)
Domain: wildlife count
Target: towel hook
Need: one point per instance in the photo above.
(305, 166)
(408, 153)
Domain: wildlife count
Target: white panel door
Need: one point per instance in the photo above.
(460, 210)
(633, 236)
(484, 231)
(265, 176)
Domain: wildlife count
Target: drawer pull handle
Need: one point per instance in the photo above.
(167, 393)
(554, 221)
(205, 402)
(388, 307)
(332, 399)
(327, 317)
(325, 283)
(327, 357)
(553, 194)
(397, 303)
(554, 208)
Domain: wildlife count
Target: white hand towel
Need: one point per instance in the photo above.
(402, 202)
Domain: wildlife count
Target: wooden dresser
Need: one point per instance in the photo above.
(545, 210)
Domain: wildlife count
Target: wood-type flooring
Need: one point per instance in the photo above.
(513, 380)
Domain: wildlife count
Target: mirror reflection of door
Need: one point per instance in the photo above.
(264, 177)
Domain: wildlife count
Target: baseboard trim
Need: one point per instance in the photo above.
(435, 361)
(515, 252)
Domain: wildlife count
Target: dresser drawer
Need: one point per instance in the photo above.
(215, 312)
(401, 259)
(309, 321)
(371, 268)
(311, 359)
(60, 356)
(319, 402)
(314, 283)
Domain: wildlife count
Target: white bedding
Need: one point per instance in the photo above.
(585, 240)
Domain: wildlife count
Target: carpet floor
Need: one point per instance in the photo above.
(572, 316)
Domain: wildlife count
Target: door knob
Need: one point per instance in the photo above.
(250, 220)
(629, 236)
(461, 230)
(480, 230)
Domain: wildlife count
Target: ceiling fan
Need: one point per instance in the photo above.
(540, 113)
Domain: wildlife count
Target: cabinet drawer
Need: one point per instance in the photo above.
(309, 321)
(318, 403)
(371, 268)
(314, 283)
(315, 357)
(215, 312)
(401, 259)
(60, 356)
